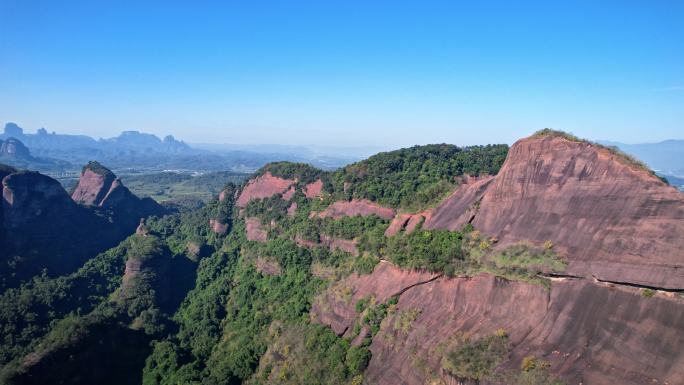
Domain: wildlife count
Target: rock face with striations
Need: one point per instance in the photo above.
(610, 217)
(618, 226)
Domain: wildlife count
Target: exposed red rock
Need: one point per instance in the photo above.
(338, 310)
(292, 210)
(255, 231)
(460, 207)
(591, 334)
(93, 187)
(218, 227)
(41, 222)
(398, 223)
(289, 193)
(314, 189)
(407, 222)
(610, 218)
(416, 219)
(355, 207)
(264, 186)
(142, 229)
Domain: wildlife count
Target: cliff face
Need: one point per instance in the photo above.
(264, 186)
(14, 148)
(45, 228)
(589, 333)
(611, 219)
(93, 187)
(98, 186)
(618, 226)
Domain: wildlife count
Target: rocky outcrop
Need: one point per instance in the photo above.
(13, 148)
(48, 230)
(42, 225)
(264, 186)
(255, 231)
(314, 189)
(458, 209)
(292, 210)
(609, 217)
(461, 206)
(30, 195)
(218, 227)
(589, 333)
(95, 185)
(398, 223)
(362, 207)
(407, 222)
(337, 306)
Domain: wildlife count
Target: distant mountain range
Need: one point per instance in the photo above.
(134, 151)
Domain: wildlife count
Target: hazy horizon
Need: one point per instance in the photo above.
(346, 74)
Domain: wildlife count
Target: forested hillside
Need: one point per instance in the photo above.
(378, 273)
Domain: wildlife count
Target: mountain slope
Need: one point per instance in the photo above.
(43, 228)
(434, 264)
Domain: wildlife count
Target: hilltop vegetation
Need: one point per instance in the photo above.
(197, 302)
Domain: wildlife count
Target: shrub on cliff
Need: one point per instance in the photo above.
(477, 359)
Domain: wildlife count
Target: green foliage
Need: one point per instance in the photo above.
(433, 250)
(477, 359)
(303, 172)
(174, 187)
(418, 176)
(97, 168)
(309, 354)
(647, 292)
(29, 312)
(535, 371)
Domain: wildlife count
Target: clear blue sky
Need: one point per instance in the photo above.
(389, 73)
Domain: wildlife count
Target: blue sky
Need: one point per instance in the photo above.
(387, 73)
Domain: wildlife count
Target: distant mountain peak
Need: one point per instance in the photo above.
(12, 129)
(14, 148)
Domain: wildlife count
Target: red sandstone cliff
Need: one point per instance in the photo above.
(610, 218)
(264, 186)
(590, 333)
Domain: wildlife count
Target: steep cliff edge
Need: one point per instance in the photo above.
(589, 333)
(43, 228)
(609, 217)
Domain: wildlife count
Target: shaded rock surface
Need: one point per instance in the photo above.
(43, 226)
